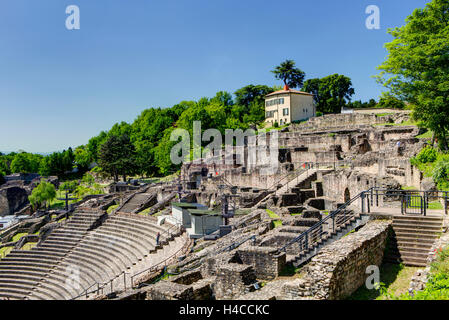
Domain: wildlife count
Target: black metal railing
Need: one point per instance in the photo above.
(412, 202)
(333, 221)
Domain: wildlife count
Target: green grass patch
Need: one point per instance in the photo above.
(408, 188)
(271, 214)
(426, 135)
(5, 250)
(405, 123)
(277, 223)
(112, 208)
(435, 205)
(395, 280)
(29, 246)
(18, 236)
(384, 114)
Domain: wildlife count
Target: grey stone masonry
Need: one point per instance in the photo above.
(340, 268)
(233, 280)
(267, 263)
(166, 290)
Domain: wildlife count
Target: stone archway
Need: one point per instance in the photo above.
(347, 195)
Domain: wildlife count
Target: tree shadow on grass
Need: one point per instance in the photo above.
(388, 274)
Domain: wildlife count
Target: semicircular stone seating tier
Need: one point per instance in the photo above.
(78, 255)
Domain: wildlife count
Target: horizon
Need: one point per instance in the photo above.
(61, 87)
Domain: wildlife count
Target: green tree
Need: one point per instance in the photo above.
(331, 93)
(42, 195)
(117, 156)
(21, 163)
(417, 66)
(82, 158)
(287, 72)
(69, 186)
(388, 101)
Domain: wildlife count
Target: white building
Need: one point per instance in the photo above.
(203, 222)
(288, 105)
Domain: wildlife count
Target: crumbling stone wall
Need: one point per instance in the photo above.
(342, 185)
(233, 280)
(340, 268)
(12, 199)
(267, 262)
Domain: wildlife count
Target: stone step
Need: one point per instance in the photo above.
(418, 218)
(407, 260)
(420, 228)
(410, 244)
(414, 239)
(412, 234)
(410, 251)
(417, 223)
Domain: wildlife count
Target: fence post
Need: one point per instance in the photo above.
(307, 241)
(368, 204)
(424, 204)
(377, 198)
(402, 204)
(445, 203)
(363, 201)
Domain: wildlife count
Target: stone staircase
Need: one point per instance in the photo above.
(324, 238)
(138, 202)
(90, 248)
(413, 237)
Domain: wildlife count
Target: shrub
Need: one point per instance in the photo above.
(440, 173)
(426, 155)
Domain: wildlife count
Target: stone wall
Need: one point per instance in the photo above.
(12, 199)
(233, 280)
(339, 269)
(343, 185)
(267, 263)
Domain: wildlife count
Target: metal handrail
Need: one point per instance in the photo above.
(308, 233)
(314, 232)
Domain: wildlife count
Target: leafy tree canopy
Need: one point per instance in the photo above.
(289, 74)
(417, 66)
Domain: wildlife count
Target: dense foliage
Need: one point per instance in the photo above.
(417, 67)
(42, 195)
(433, 164)
(289, 74)
(331, 93)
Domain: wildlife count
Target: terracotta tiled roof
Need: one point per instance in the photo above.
(288, 91)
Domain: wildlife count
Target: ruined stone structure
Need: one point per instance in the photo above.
(340, 268)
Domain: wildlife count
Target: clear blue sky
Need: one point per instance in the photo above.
(58, 87)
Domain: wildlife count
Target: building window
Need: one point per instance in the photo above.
(285, 112)
(269, 114)
(274, 102)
